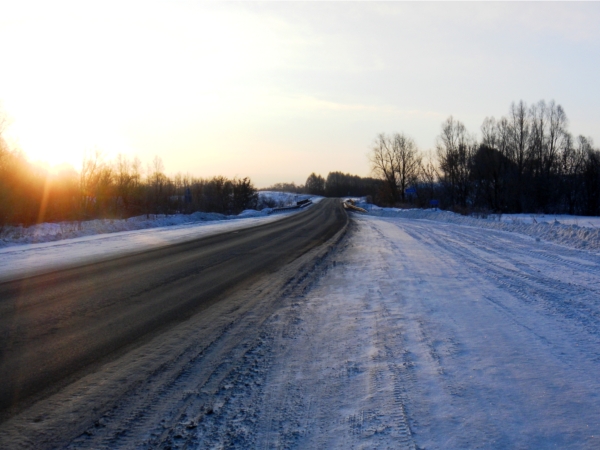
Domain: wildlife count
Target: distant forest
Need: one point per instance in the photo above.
(111, 189)
(337, 184)
(526, 161)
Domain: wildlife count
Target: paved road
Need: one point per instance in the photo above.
(59, 323)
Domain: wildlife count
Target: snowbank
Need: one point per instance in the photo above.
(578, 231)
(49, 232)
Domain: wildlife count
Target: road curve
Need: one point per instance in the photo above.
(56, 324)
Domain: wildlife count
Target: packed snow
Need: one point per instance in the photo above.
(422, 329)
(574, 231)
(439, 335)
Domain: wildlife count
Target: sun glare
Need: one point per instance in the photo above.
(42, 141)
(167, 67)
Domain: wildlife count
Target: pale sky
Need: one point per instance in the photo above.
(275, 91)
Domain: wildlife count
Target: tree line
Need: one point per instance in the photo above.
(121, 188)
(526, 161)
(337, 184)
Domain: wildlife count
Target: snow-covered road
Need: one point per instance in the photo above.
(429, 335)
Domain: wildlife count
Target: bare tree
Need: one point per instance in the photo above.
(455, 148)
(572, 165)
(520, 130)
(548, 129)
(157, 181)
(124, 181)
(538, 114)
(105, 191)
(429, 175)
(503, 136)
(489, 132)
(136, 171)
(396, 161)
(557, 134)
(89, 180)
(383, 165)
(407, 162)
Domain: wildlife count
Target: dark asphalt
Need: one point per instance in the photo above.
(54, 325)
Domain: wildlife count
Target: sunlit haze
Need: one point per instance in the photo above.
(275, 91)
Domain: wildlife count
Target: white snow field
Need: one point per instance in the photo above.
(413, 333)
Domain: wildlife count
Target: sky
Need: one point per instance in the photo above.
(278, 90)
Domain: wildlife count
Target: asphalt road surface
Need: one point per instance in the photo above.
(54, 325)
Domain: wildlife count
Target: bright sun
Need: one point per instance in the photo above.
(55, 151)
(146, 78)
(57, 136)
(41, 143)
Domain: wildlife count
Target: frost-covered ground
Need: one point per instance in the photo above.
(423, 329)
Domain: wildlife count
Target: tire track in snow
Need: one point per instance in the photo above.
(573, 300)
(477, 307)
(422, 337)
(333, 383)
